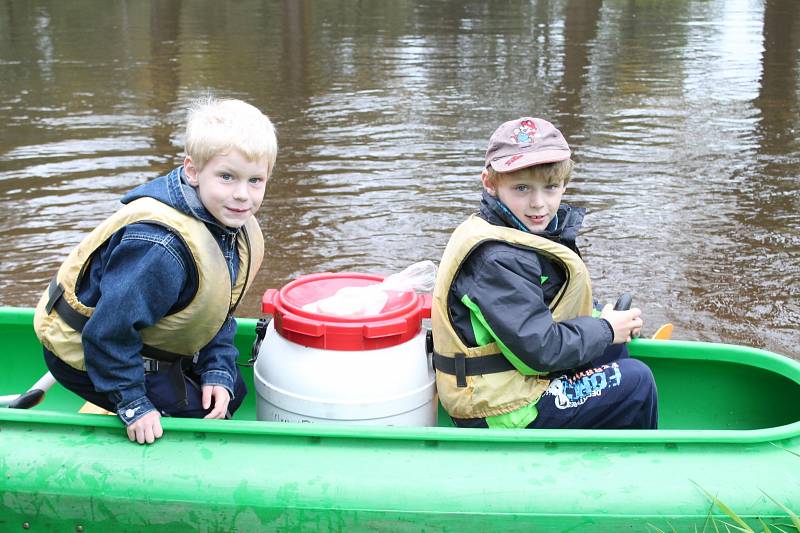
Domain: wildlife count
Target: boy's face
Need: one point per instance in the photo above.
(230, 186)
(531, 199)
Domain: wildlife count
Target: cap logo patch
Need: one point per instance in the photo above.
(513, 158)
(524, 133)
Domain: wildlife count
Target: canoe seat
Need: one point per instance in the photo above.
(90, 408)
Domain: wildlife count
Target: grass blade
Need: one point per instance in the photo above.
(792, 515)
(784, 449)
(728, 526)
(725, 509)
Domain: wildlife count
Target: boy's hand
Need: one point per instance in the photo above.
(221, 400)
(626, 324)
(147, 429)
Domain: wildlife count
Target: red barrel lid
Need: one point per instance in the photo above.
(398, 321)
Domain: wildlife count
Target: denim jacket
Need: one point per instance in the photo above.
(140, 275)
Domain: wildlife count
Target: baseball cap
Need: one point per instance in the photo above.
(525, 142)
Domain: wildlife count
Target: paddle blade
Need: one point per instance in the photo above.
(664, 333)
(27, 400)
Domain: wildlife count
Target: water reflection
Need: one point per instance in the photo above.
(683, 117)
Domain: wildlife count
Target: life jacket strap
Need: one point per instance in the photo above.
(462, 366)
(77, 321)
(55, 300)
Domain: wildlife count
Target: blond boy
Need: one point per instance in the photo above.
(139, 318)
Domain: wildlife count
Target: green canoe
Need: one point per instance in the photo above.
(730, 419)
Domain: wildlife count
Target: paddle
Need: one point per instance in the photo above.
(663, 333)
(32, 397)
(624, 302)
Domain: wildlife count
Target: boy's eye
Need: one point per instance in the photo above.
(225, 176)
(521, 188)
(256, 180)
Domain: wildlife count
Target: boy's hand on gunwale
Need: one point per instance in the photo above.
(626, 324)
(146, 429)
(221, 400)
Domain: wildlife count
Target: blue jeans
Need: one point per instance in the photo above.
(160, 387)
(613, 392)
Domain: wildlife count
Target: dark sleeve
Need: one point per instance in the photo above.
(216, 363)
(504, 283)
(142, 279)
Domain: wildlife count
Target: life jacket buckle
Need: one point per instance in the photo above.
(461, 370)
(150, 365)
(56, 291)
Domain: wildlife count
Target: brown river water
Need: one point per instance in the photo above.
(683, 116)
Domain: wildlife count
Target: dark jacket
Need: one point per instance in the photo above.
(139, 276)
(512, 286)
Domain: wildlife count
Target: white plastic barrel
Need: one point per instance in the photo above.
(374, 369)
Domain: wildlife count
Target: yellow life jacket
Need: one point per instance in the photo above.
(184, 332)
(502, 390)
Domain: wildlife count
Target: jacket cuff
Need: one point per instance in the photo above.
(610, 330)
(218, 377)
(133, 411)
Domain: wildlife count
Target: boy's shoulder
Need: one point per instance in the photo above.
(494, 248)
(149, 230)
(492, 256)
(142, 239)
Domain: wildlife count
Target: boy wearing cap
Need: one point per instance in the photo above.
(515, 342)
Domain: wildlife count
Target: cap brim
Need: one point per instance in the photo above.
(524, 160)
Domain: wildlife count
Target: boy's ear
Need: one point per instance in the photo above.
(191, 171)
(491, 189)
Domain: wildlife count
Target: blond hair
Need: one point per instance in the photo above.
(217, 126)
(550, 173)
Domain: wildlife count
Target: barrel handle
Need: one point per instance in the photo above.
(427, 304)
(268, 301)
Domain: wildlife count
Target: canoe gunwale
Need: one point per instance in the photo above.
(265, 429)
